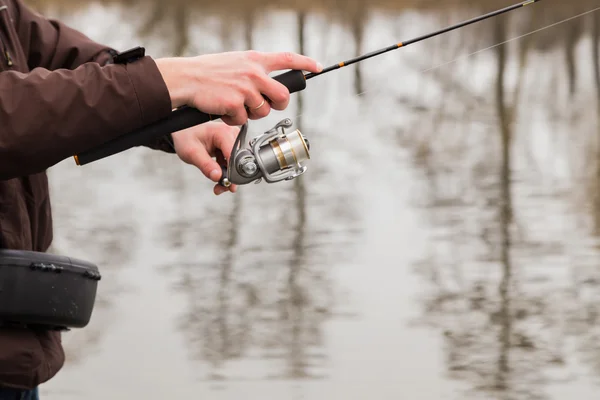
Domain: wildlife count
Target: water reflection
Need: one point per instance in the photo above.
(505, 318)
(105, 242)
(504, 155)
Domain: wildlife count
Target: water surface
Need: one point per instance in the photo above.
(442, 245)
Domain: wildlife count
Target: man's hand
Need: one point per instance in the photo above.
(198, 145)
(231, 84)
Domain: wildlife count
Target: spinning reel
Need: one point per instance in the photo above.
(273, 156)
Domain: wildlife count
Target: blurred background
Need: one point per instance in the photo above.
(442, 245)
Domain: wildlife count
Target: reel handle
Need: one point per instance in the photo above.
(224, 181)
(180, 119)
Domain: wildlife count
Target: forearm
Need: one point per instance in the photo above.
(47, 116)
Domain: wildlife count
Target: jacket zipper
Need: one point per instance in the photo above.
(7, 56)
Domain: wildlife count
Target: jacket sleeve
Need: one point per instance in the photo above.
(52, 45)
(47, 116)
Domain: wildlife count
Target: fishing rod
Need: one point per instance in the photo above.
(273, 156)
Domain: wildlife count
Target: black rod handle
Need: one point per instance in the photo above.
(180, 119)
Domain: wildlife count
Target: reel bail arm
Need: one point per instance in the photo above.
(273, 156)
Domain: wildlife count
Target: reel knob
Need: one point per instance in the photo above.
(224, 181)
(249, 167)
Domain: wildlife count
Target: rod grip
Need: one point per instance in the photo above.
(180, 119)
(294, 80)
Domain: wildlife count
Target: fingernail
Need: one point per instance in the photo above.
(319, 67)
(215, 174)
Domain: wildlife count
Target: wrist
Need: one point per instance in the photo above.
(173, 73)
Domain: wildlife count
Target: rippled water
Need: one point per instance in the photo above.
(442, 245)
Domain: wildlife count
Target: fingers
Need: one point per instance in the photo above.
(261, 84)
(198, 153)
(232, 84)
(266, 94)
(223, 141)
(258, 108)
(277, 93)
(245, 98)
(200, 158)
(238, 117)
(211, 168)
(255, 106)
(218, 189)
(289, 60)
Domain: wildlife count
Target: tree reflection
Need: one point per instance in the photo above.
(176, 15)
(596, 61)
(292, 307)
(490, 294)
(356, 15)
(583, 309)
(260, 297)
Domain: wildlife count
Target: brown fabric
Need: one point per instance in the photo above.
(58, 98)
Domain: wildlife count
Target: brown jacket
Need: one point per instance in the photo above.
(58, 97)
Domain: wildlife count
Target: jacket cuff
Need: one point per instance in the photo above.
(164, 143)
(105, 57)
(151, 91)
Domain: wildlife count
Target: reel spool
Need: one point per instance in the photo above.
(273, 156)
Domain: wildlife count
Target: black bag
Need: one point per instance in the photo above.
(46, 290)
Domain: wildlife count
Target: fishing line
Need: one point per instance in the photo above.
(487, 48)
(513, 39)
